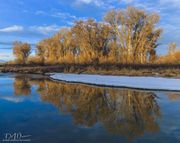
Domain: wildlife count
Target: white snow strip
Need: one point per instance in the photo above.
(150, 83)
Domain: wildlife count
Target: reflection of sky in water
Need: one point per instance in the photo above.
(41, 115)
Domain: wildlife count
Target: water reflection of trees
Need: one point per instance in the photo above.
(22, 85)
(173, 96)
(122, 112)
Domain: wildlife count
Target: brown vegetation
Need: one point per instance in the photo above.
(135, 34)
(172, 57)
(127, 36)
(164, 70)
(21, 51)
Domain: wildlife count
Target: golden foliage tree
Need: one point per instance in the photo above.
(56, 48)
(91, 39)
(21, 51)
(135, 33)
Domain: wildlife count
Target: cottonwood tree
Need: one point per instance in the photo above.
(40, 52)
(21, 51)
(55, 49)
(136, 33)
(91, 38)
(65, 47)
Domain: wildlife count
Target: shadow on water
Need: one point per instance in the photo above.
(122, 112)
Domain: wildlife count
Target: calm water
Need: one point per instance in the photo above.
(53, 112)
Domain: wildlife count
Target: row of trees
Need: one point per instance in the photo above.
(125, 36)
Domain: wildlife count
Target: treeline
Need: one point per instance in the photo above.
(127, 36)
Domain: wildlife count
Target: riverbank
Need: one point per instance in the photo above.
(108, 69)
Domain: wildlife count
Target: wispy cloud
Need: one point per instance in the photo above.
(45, 29)
(63, 16)
(108, 4)
(56, 14)
(95, 2)
(42, 29)
(13, 28)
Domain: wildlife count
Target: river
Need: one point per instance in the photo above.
(58, 112)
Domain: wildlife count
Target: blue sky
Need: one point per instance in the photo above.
(33, 20)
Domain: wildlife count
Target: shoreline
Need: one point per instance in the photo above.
(169, 71)
(119, 83)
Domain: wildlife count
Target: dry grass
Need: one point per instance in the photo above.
(119, 69)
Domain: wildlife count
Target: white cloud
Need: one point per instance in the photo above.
(42, 29)
(102, 4)
(55, 13)
(45, 29)
(63, 15)
(98, 3)
(14, 28)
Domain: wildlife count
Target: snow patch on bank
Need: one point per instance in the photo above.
(150, 83)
